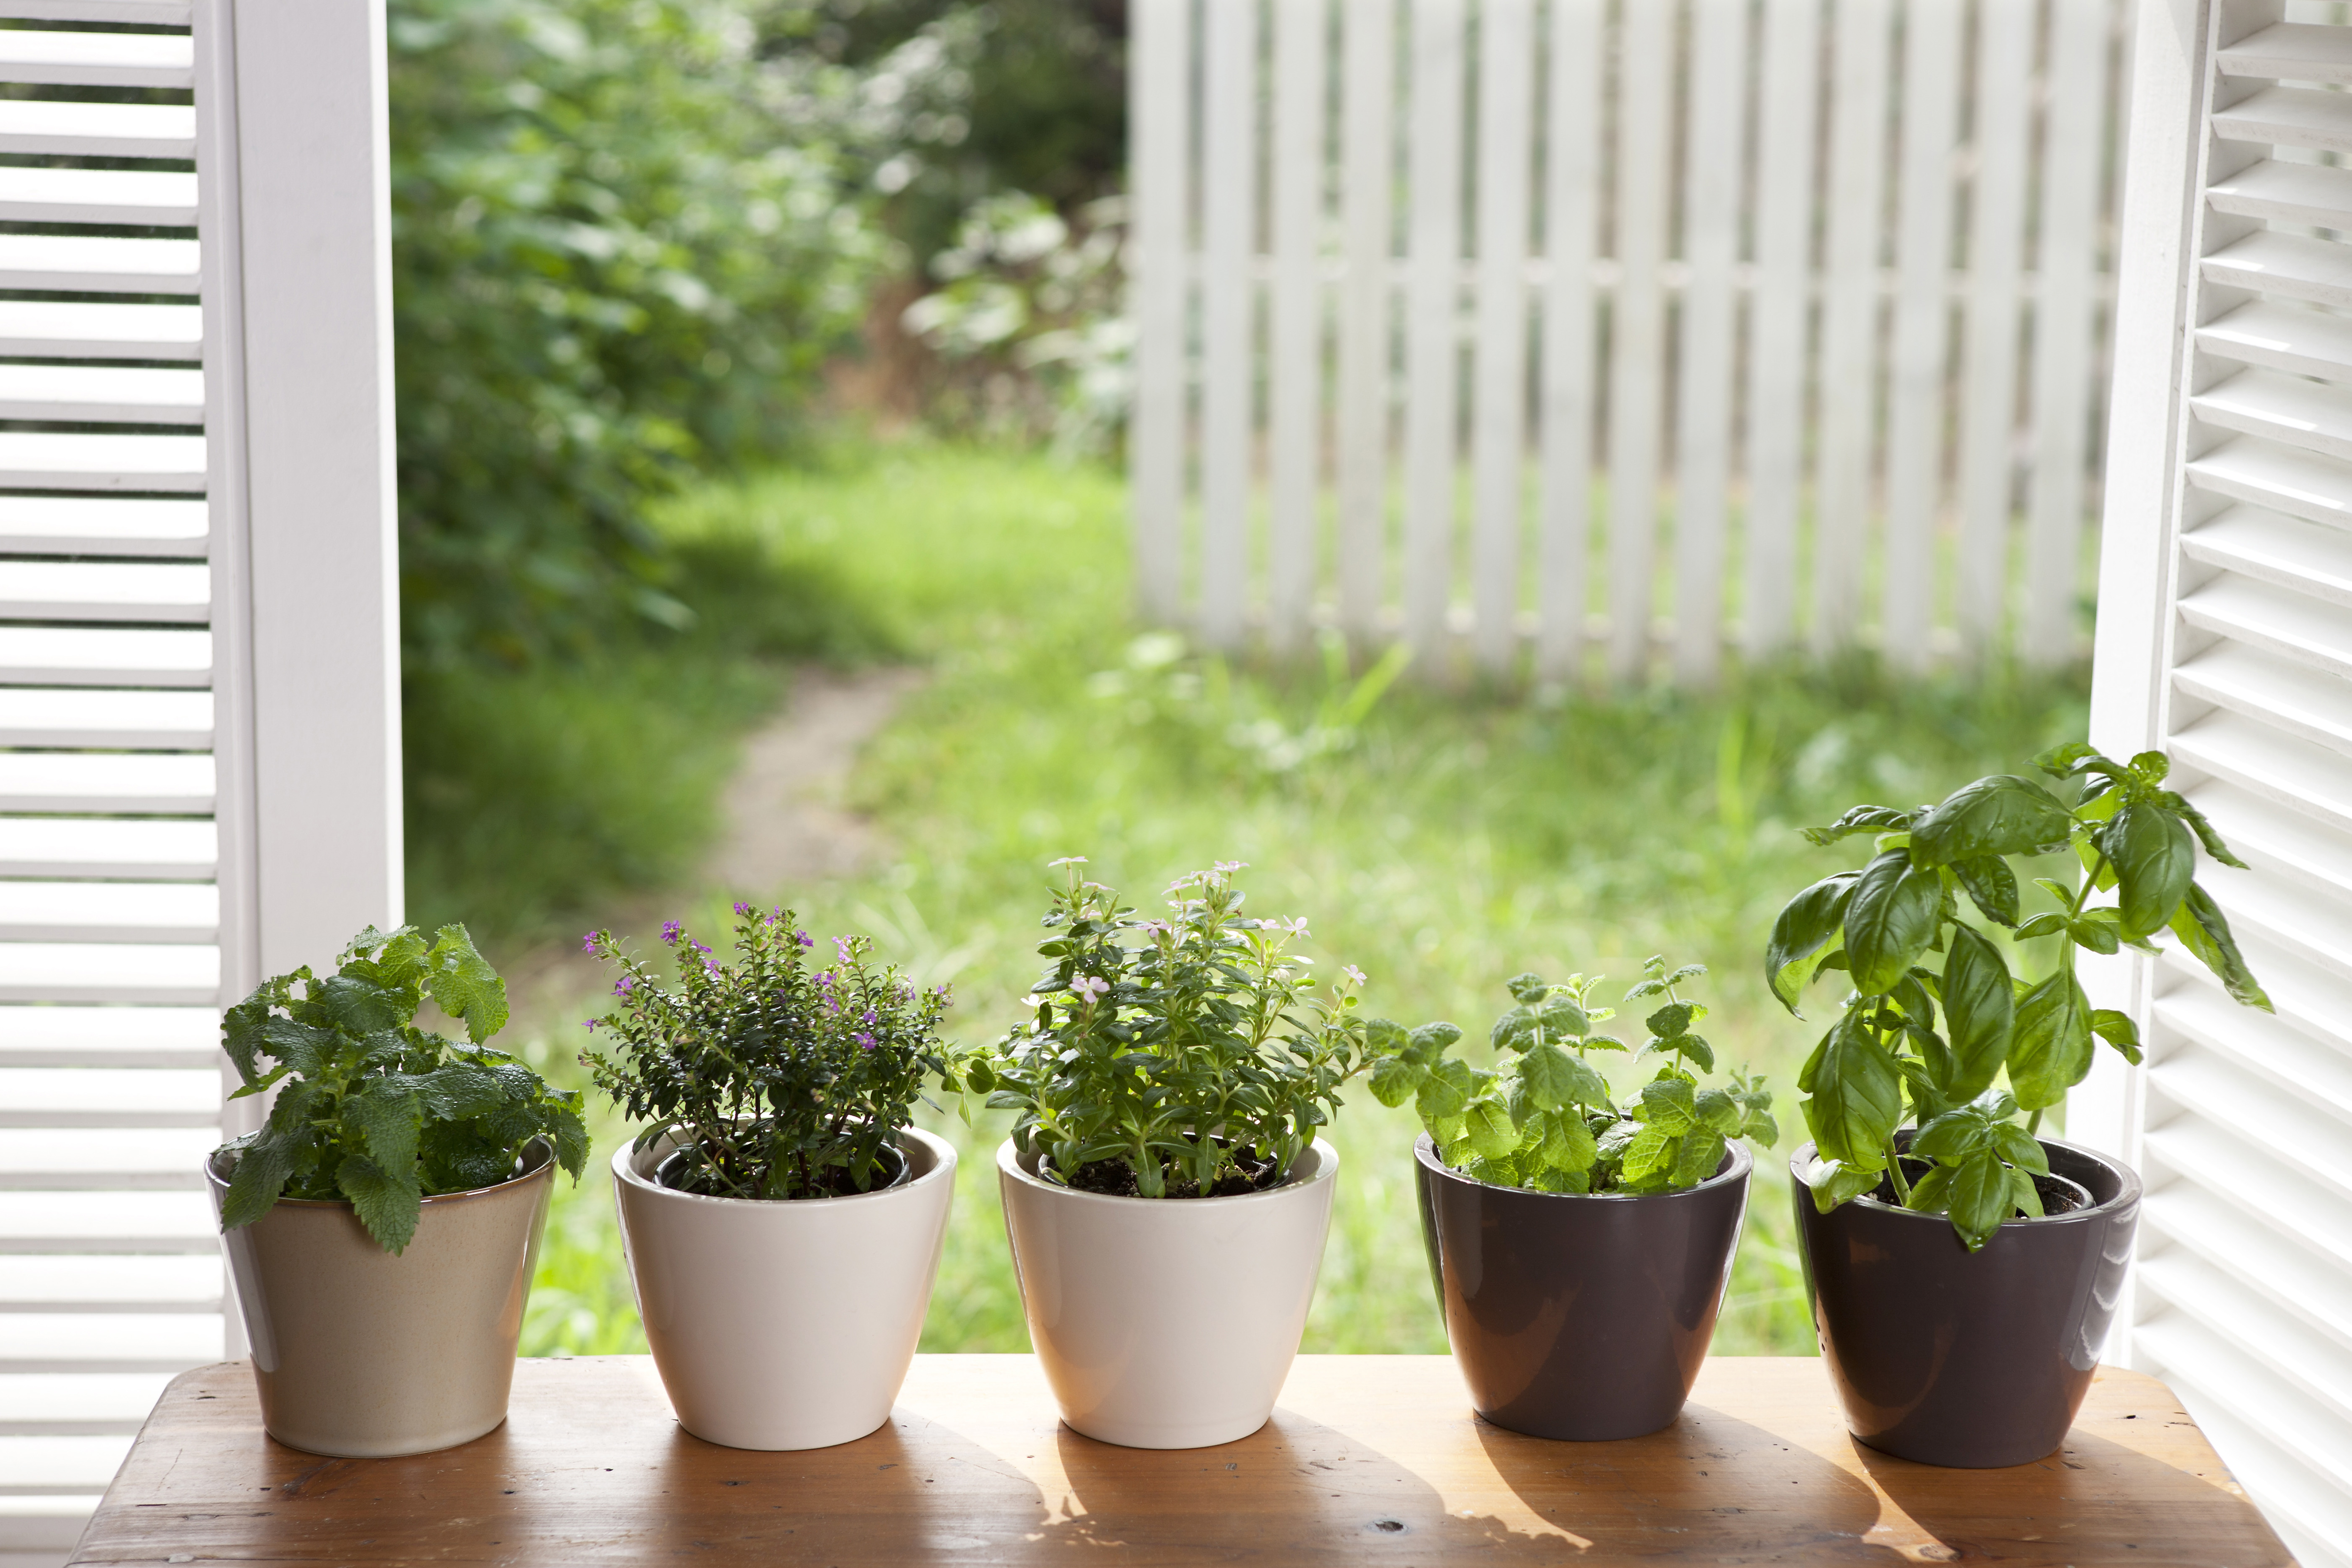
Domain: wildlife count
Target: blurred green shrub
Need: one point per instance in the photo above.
(623, 247)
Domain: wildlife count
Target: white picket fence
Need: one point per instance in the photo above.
(1569, 327)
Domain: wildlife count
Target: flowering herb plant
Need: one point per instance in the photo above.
(1884, 1061)
(370, 1108)
(780, 1079)
(1544, 1120)
(1187, 1056)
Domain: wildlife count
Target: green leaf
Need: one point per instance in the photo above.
(1835, 1182)
(1395, 1079)
(2117, 1030)
(1556, 1079)
(1431, 1041)
(2002, 815)
(1979, 1008)
(1489, 1131)
(1713, 1108)
(388, 1117)
(2202, 829)
(1668, 1104)
(1856, 1096)
(2076, 757)
(259, 1176)
(1952, 1136)
(1385, 1036)
(2050, 1051)
(2099, 936)
(386, 1205)
(1527, 989)
(1651, 1149)
(1804, 924)
(1513, 1030)
(2020, 1147)
(1562, 1019)
(2200, 925)
(1990, 885)
(2154, 859)
(1890, 920)
(1693, 1047)
(2050, 922)
(1859, 819)
(464, 985)
(1978, 1198)
(1568, 1144)
(1446, 1090)
(1671, 1019)
(1701, 1153)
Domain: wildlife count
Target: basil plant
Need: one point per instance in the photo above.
(1545, 1120)
(1958, 1049)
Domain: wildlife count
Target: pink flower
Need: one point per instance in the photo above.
(624, 984)
(588, 943)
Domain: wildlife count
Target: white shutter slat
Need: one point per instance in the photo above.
(148, 12)
(2290, 266)
(97, 59)
(2198, 1081)
(2289, 117)
(91, 196)
(110, 911)
(2306, 557)
(2315, 193)
(158, 720)
(2282, 408)
(78, 1404)
(65, 129)
(2197, 1149)
(108, 1223)
(52, 656)
(50, 460)
(2269, 764)
(2310, 997)
(108, 972)
(2271, 1049)
(2272, 692)
(65, 846)
(79, 1342)
(2264, 616)
(111, 1153)
(2256, 1414)
(85, 264)
(2282, 337)
(42, 1465)
(2257, 1257)
(2293, 51)
(124, 395)
(164, 1283)
(79, 328)
(55, 1097)
(2293, 482)
(102, 525)
(2277, 1339)
(162, 784)
(108, 591)
(2297, 845)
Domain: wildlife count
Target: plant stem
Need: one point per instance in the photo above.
(1895, 1172)
(2033, 1123)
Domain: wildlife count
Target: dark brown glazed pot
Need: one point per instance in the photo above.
(1973, 1361)
(1575, 1316)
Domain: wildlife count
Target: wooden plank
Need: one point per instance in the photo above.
(1571, 208)
(1712, 167)
(1922, 329)
(1988, 468)
(1367, 344)
(1369, 1459)
(1158, 77)
(1295, 318)
(2064, 314)
(1498, 409)
(1779, 317)
(1854, 196)
(1637, 339)
(1432, 347)
(1229, 56)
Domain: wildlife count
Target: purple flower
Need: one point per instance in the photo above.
(624, 984)
(671, 931)
(865, 1040)
(711, 965)
(590, 1026)
(741, 908)
(869, 1016)
(803, 939)
(699, 948)
(840, 946)
(588, 943)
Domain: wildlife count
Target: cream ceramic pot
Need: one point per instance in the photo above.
(361, 1353)
(1167, 1323)
(787, 1324)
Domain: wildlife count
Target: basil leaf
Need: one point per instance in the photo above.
(1980, 1010)
(2154, 861)
(2117, 1030)
(2002, 815)
(1990, 885)
(2203, 829)
(1805, 924)
(2203, 932)
(2051, 1049)
(1979, 1197)
(1856, 1096)
(1889, 921)
(1859, 819)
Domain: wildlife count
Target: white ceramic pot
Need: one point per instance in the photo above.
(1167, 1323)
(787, 1324)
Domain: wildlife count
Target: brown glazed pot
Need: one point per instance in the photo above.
(361, 1355)
(1973, 1361)
(1575, 1316)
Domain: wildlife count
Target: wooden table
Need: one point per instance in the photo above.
(1369, 1459)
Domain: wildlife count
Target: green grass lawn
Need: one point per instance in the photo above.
(1442, 841)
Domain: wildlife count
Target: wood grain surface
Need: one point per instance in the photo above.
(1369, 1459)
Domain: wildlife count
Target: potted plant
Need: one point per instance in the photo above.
(1963, 1269)
(781, 1219)
(1580, 1248)
(383, 1226)
(1165, 1193)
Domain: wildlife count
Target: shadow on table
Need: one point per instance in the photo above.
(1710, 1485)
(2143, 1510)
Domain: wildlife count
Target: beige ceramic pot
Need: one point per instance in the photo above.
(1167, 1323)
(788, 1324)
(362, 1354)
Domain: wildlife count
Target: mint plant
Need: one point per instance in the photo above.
(1958, 1051)
(782, 1079)
(1189, 1057)
(1543, 1120)
(370, 1108)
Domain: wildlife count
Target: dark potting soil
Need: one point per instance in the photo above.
(831, 1182)
(1116, 1178)
(2057, 1196)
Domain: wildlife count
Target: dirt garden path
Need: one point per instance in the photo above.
(784, 822)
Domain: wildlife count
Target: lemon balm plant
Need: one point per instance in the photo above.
(1578, 1243)
(381, 1224)
(1963, 1268)
(781, 1216)
(1164, 1185)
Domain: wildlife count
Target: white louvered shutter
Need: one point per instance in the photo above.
(2225, 637)
(195, 653)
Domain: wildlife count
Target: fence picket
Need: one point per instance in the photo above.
(1498, 409)
(1572, 207)
(1637, 334)
(1711, 204)
(1779, 321)
(1158, 78)
(1294, 319)
(1996, 261)
(2063, 323)
(1922, 326)
(1856, 194)
(1228, 167)
(1432, 337)
(1367, 348)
